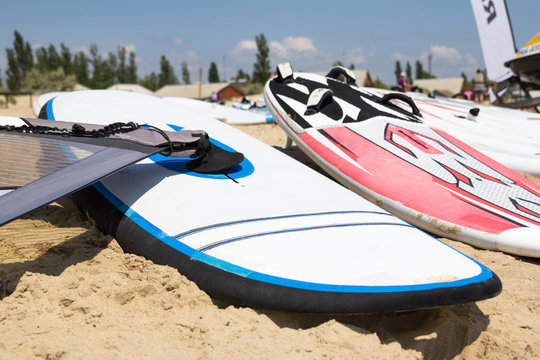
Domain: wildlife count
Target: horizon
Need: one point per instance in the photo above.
(299, 32)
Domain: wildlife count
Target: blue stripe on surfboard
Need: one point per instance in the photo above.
(269, 218)
(49, 108)
(484, 275)
(307, 228)
(241, 271)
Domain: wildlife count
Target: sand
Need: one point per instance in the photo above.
(67, 291)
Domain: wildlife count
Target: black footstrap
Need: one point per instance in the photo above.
(215, 160)
(386, 98)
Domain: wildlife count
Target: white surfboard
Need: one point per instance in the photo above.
(271, 233)
(221, 112)
(393, 158)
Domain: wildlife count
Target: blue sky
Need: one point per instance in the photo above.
(309, 34)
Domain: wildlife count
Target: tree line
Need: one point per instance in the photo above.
(51, 69)
(419, 70)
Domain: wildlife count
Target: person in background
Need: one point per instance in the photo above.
(479, 86)
(215, 97)
(403, 84)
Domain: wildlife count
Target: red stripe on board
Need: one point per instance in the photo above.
(396, 179)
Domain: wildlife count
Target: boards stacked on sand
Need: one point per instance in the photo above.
(255, 107)
(511, 137)
(389, 156)
(271, 232)
(221, 112)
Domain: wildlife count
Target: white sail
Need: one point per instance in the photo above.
(496, 37)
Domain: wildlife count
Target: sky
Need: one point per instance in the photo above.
(311, 35)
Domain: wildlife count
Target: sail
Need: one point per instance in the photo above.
(42, 161)
(496, 37)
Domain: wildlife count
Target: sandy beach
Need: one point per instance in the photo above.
(67, 291)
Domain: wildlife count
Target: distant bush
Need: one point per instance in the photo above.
(379, 84)
(254, 88)
(47, 81)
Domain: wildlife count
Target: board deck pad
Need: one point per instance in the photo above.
(511, 137)
(271, 233)
(421, 174)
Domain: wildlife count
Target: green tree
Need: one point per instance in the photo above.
(132, 69)
(48, 58)
(261, 68)
(379, 84)
(110, 70)
(42, 61)
(55, 61)
(66, 59)
(419, 69)
(337, 63)
(20, 61)
(352, 67)
(398, 70)
(166, 76)
(213, 75)
(185, 73)
(420, 72)
(80, 68)
(97, 68)
(408, 71)
(122, 71)
(467, 85)
(241, 75)
(47, 81)
(103, 71)
(151, 81)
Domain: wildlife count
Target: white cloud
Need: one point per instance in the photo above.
(443, 54)
(354, 56)
(192, 56)
(178, 41)
(292, 47)
(84, 49)
(130, 48)
(299, 43)
(244, 46)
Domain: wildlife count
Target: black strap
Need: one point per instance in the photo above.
(76, 129)
(215, 160)
(402, 97)
(336, 71)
